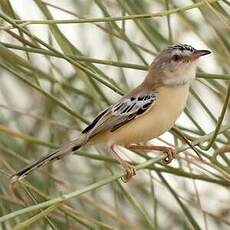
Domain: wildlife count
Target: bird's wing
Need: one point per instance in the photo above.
(120, 113)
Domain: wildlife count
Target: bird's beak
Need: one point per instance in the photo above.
(198, 53)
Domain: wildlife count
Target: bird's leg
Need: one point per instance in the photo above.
(170, 152)
(130, 169)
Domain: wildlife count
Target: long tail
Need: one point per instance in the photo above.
(53, 156)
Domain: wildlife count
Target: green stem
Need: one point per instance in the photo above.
(220, 120)
(103, 181)
(107, 62)
(181, 173)
(37, 217)
(183, 207)
(25, 137)
(203, 138)
(39, 89)
(120, 18)
(76, 193)
(68, 59)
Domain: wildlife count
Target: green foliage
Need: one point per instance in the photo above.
(54, 82)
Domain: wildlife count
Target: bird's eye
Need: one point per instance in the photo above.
(176, 57)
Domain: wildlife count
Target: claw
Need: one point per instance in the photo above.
(130, 172)
(130, 169)
(171, 154)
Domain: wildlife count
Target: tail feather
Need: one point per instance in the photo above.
(53, 156)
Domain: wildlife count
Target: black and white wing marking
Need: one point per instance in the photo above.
(121, 113)
(133, 105)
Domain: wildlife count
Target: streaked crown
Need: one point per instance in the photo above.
(182, 47)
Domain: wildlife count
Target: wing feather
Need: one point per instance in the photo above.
(121, 113)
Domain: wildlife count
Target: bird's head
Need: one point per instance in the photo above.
(177, 64)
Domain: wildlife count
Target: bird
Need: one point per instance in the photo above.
(143, 114)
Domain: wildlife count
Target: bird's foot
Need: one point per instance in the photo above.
(130, 171)
(171, 154)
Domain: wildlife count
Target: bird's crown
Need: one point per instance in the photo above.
(182, 47)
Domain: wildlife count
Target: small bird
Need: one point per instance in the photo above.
(145, 113)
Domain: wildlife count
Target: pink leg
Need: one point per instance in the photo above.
(130, 169)
(171, 154)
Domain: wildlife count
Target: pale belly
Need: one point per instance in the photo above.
(161, 117)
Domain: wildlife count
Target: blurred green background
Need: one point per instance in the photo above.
(61, 63)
